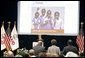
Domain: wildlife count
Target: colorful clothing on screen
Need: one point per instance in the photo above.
(49, 24)
(36, 21)
(58, 23)
(42, 21)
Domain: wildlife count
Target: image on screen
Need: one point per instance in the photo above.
(51, 18)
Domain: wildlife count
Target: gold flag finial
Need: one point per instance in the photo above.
(15, 22)
(9, 27)
(82, 28)
(3, 23)
(9, 24)
(82, 25)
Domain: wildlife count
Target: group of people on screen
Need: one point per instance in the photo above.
(46, 21)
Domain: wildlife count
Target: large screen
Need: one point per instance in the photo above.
(48, 17)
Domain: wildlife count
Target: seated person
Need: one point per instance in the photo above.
(10, 54)
(70, 47)
(32, 53)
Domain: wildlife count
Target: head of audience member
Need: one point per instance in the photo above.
(43, 11)
(56, 15)
(36, 15)
(4, 54)
(71, 54)
(18, 56)
(23, 54)
(42, 54)
(69, 42)
(40, 43)
(31, 53)
(54, 55)
(48, 54)
(49, 13)
(53, 42)
(10, 54)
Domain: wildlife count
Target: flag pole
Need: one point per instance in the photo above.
(9, 27)
(15, 23)
(81, 34)
(3, 23)
(82, 28)
(14, 28)
(9, 31)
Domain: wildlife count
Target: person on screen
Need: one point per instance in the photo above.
(58, 22)
(36, 21)
(42, 17)
(48, 21)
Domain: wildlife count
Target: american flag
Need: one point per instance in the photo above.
(14, 39)
(7, 39)
(80, 42)
(2, 37)
(7, 42)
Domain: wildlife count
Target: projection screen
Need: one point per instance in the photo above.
(48, 17)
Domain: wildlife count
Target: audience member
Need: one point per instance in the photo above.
(48, 54)
(42, 54)
(23, 54)
(53, 49)
(54, 55)
(18, 56)
(71, 54)
(39, 48)
(70, 47)
(10, 54)
(32, 53)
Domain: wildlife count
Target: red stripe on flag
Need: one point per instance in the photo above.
(80, 42)
(7, 42)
